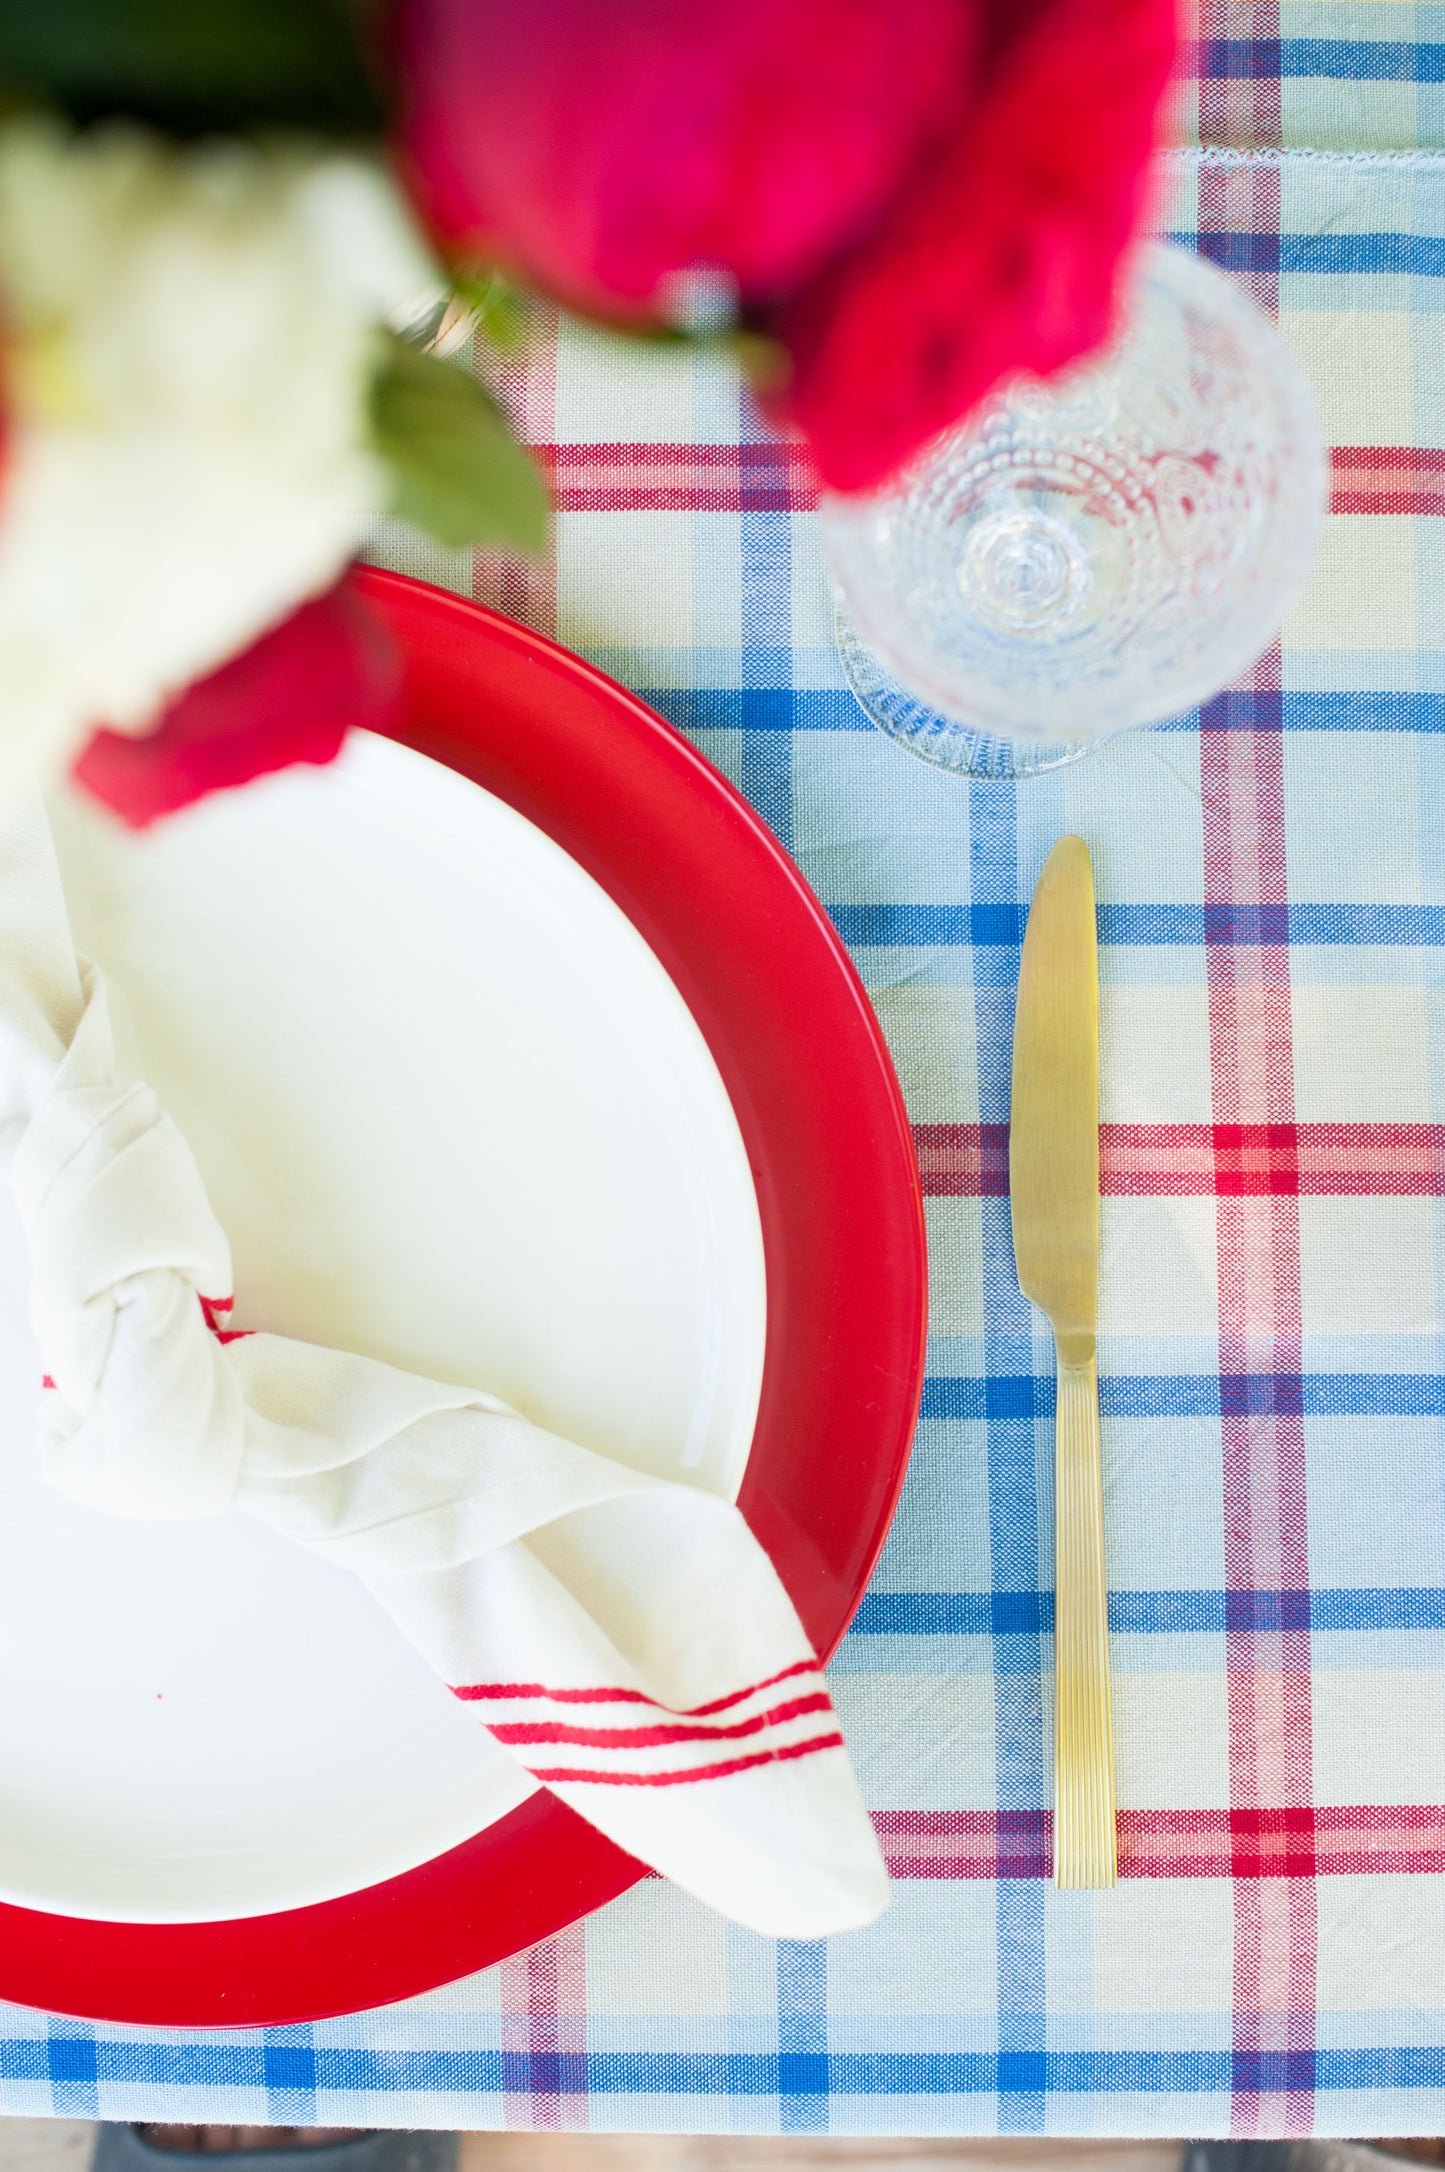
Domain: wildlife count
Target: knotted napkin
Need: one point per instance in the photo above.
(625, 1638)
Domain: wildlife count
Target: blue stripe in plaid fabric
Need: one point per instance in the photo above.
(1151, 1613)
(803, 2081)
(833, 709)
(1013, 1511)
(72, 2068)
(983, 926)
(345, 2071)
(1357, 60)
(1195, 1395)
(758, 708)
(1420, 256)
(288, 2069)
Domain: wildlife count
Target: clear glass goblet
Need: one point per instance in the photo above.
(1098, 551)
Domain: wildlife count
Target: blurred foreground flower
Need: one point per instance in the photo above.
(205, 411)
(190, 341)
(205, 404)
(1003, 250)
(290, 697)
(911, 201)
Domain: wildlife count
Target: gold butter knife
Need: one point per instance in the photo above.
(1054, 1193)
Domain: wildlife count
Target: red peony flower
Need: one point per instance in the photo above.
(913, 199)
(291, 697)
(1000, 254)
(599, 146)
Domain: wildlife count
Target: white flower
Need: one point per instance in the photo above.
(187, 340)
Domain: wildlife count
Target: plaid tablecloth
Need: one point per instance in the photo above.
(1272, 884)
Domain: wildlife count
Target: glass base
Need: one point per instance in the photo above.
(1098, 552)
(941, 739)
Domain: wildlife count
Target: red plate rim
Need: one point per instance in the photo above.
(831, 1152)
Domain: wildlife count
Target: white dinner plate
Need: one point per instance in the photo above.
(452, 1112)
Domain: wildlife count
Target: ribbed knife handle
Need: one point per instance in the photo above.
(1084, 1839)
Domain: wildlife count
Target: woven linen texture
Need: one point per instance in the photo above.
(1272, 885)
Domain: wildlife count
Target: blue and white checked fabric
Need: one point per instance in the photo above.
(1336, 75)
(1272, 885)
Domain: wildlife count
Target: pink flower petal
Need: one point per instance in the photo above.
(291, 697)
(1000, 254)
(598, 147)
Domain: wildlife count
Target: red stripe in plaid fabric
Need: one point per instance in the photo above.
(767, 476)
(1232, 109)
(1289, 1844)
(1358, 1840)
(544, 2035)
(1260, 1330)
(614, 476)
(1239, 205)
(1183, 1161)
(986, 1844)
(1387, 479)
(486, 1692)
(785, 1756)
(963, 1161)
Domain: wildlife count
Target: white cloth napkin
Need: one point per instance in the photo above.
(626, 1638)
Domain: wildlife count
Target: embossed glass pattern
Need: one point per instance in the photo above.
(1103, 550)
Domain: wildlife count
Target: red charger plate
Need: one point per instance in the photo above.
(799, 1049)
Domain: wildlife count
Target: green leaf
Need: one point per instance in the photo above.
(459, 472)
(499, 308)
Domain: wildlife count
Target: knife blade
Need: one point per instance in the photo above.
(1054, 1198)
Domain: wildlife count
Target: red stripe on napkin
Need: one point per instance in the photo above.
(488, 1692)
(213, 1308)
(580, 1775)
(644, 1738)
